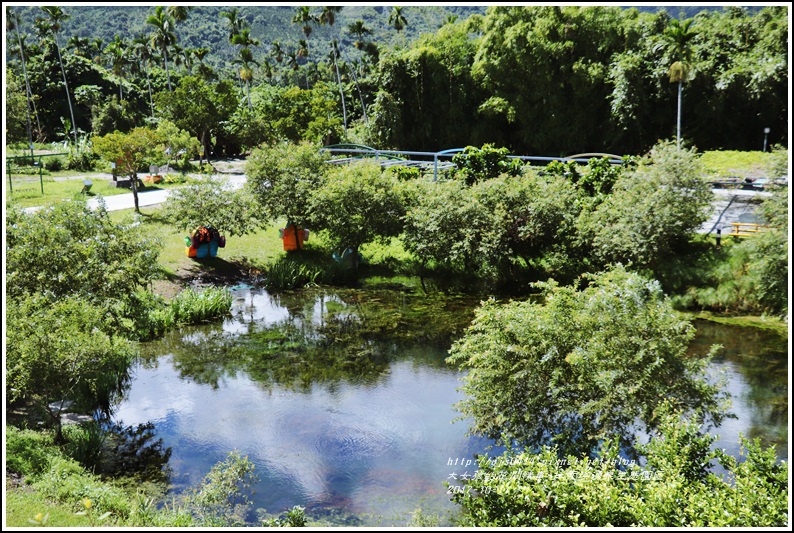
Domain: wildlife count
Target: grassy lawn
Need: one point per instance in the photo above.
(258, 248)
(23, 504)
(727, 163)
(27, 191)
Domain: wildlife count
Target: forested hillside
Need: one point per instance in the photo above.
(537, 80)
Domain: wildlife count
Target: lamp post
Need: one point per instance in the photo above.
(766, 133)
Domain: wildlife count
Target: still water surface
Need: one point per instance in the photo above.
(344, 403)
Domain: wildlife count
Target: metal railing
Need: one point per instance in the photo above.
(35, 161)
(394, 157)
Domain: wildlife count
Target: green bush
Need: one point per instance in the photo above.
(53, 164)
(84, 443)
(477, 164)
(66, 481)
(675, 487)
(580, 366)
(28, 452)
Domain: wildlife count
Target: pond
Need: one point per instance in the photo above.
(342, 400)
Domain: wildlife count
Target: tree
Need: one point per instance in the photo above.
(328, 16)
(213, 202)
(57, 353)
(678, 36)
(142, 51)
(246, 59)
(304, 16)
(198, 107)
(130, 151)
(64, 251)
(359, 30)
(396, 18)
(284, 178)
(582, 367)
(17, 113)
(117, 53)
(52, 26)
(652, 210)
(357, 204)
(163, 36)
(236, 24)
(12, 23)
(676, 487)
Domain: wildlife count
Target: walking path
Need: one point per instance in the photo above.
(229, 169)
(146, 198)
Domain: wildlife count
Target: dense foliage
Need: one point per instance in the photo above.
(214, 202)
(283, 178)
(538, 80)
(76, 295)
(580, 367)
(358, 204)
(676, 487)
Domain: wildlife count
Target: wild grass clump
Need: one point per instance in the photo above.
(193, 306)
(304, 269)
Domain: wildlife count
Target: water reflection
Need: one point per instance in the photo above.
(756, 363)
(343, 401)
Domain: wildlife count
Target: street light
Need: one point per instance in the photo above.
(766, 132)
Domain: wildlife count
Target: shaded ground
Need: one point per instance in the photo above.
(211, 271)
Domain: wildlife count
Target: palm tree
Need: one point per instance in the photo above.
(163, 36)
(117, 53)
(142, 51)
(79, 46)
(678, 36)
(235, 23)
(397, 19)
(358, 29)
(304, 16)
(303, 53)
(328, 15)
(205, 71)
(277, 52)
(55, 17)
(12, 23)
(178, 13)
(246, 59)
(97, 45)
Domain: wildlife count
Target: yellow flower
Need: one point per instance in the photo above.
(87, 503)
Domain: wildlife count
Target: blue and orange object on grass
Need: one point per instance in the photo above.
(204, 242)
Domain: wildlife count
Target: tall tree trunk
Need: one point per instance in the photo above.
(134, 187)
(678, 120)
(167, 72)
(66, 85)
(360, 96)
(248, 94)
(341, 92)
(149, 83)
(28, 93)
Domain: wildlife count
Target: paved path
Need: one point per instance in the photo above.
(730, 205)
(146, 198)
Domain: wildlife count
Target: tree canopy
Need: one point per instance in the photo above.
(582, 366)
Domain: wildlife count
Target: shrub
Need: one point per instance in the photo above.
(28, 452)
(53, 164)
(477, 164)
(652, 210)
(581, 366)
(675, 488)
